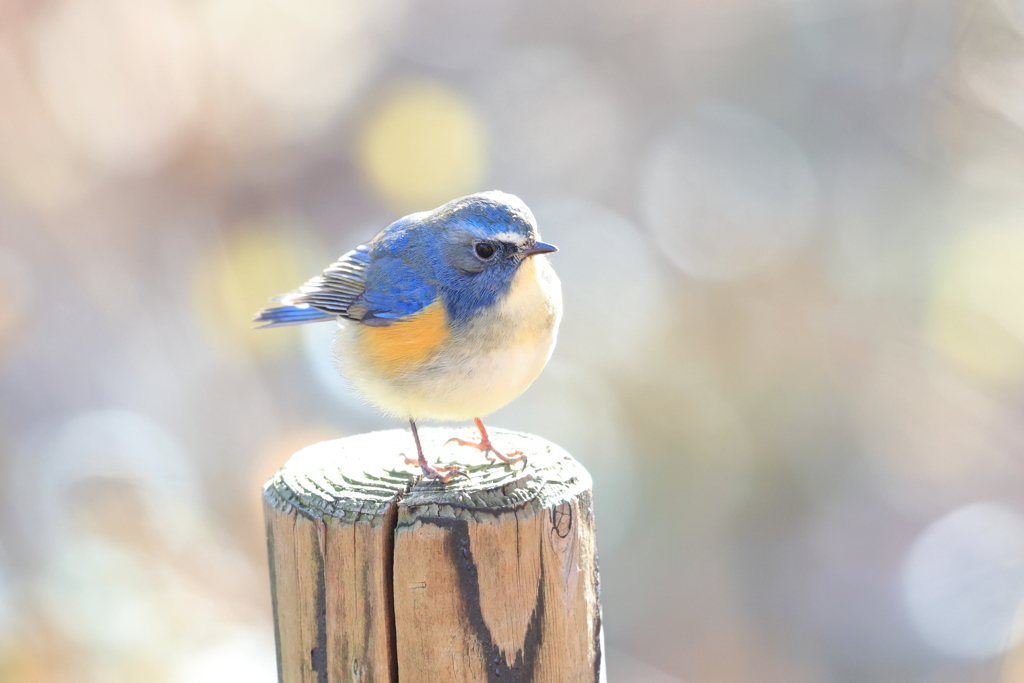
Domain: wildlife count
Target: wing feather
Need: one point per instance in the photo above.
(375, 289)
(324, 297)
(336, 289)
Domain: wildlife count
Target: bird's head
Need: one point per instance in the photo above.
(479, 243)
(489, 232)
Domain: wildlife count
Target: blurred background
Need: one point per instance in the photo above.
(792, 250)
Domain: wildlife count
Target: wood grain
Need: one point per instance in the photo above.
(380, 575)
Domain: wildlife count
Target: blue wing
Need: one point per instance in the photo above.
(325, 297)
(281, 316)
(361, 286)
(394, 290)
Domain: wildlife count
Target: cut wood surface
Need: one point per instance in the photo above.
(380, 575)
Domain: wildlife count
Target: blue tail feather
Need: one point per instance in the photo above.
(290, 315)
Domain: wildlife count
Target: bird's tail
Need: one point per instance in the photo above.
(280, 316)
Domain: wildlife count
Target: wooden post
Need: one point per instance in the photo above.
(378, 575)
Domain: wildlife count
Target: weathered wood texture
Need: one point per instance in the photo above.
(381, 576)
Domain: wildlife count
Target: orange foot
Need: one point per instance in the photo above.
(442, 472)
(486, 446)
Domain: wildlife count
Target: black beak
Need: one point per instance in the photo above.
(539, 248)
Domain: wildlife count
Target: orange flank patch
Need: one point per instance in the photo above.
(403, 345)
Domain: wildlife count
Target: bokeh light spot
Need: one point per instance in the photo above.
(59, 470)
(423, 145)
(120, 77)
(976, 317)
(238, 278)
(963, 581)
(281, 70)
(727, 193)
(606, 264)
(556, 124)
(933, 439)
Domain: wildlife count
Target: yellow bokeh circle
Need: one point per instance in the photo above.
(237, 278)
(423, 145)
(976, 315)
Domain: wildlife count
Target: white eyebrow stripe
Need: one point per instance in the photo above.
(509, 236)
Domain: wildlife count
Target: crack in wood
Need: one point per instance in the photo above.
(318, 654)
(495, 661)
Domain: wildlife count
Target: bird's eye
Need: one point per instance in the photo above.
(484, 250)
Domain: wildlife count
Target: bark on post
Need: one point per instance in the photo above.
(379, 575)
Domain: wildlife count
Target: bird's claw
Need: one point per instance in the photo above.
(490, 452)
(442, 472)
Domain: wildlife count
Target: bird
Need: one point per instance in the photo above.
(447, 315)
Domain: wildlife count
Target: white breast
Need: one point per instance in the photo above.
(483, 368)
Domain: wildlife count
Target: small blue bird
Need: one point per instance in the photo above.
(446, 314)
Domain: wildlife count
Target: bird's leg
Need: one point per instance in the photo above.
(442, 472)
(486, 446)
